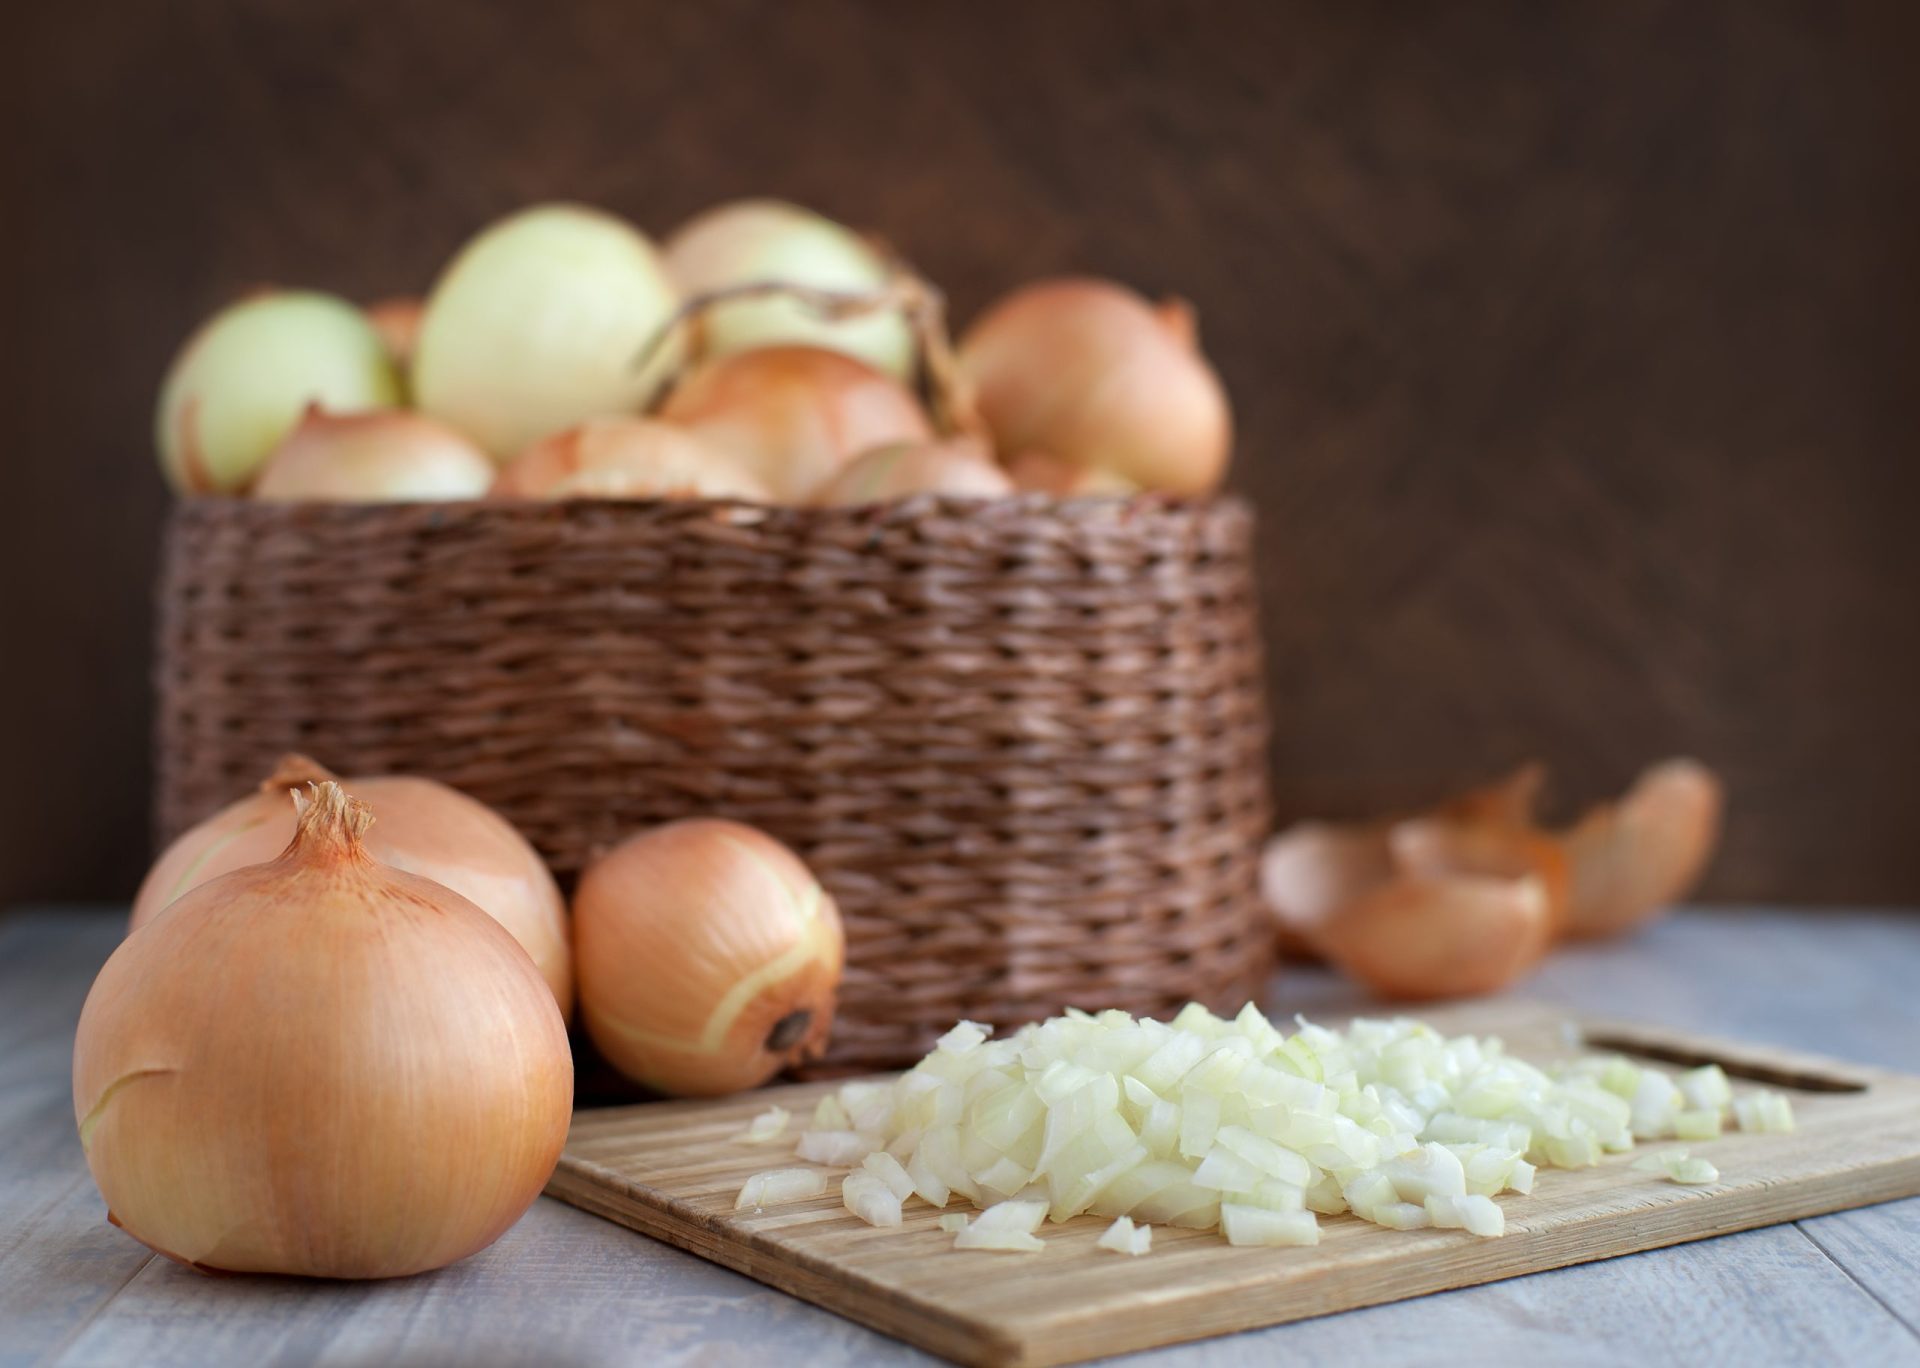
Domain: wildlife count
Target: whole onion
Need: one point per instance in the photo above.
(243, 381)
(709, 957)
(425, 828)
(535, 326)
(793, 416)
(758, 240)
(958, 467)
(1041, 473)
(389, 456)
(321, 1065)
(626, 458)
(1093, 375)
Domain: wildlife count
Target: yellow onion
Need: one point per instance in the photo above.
(764, 240)
(626, 458)
(709, 957)
(321, 1065)
(1421, 936)
(1044, 474)
(794, 416)
(957, 467)
(1095, 376)
(1632, 858)
(535, 325)
(247, 376)
(389, 456)
(425, 828)
(397, 320)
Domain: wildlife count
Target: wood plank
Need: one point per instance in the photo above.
(672, 1170)
(1879, 1247)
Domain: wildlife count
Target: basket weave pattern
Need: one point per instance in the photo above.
(1022, 743)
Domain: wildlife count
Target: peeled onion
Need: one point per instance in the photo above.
(1632, 858)
(709, 958)
(765, 240)
(626, 458)
(793, 416)
(957, 467)
(535, 326)
(390, 456)
(244, 380)
(321, 1065)
(424, 828)
(1096, 377)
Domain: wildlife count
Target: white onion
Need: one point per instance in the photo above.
(768, 1126)
(780, 1185)
(1124, 1237)
(953, 1222)
(870, 1199)
(1245, 1225)
(1008, 1227)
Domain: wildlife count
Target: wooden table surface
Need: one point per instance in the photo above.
(567, 1289)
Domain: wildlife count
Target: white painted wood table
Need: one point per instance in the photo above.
(567, 1289)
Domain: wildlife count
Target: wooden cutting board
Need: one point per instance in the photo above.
(672, 1170)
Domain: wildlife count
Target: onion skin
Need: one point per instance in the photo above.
(424, 827)
(1632, 859)
(247, 376)
(755, 240)
(1417, 938)
(1312, 870)
(321, 1066)
(626, 458)
(536, 324)
(957, 467)
(709, 958)
(390, 456)
(794, 416)
(397, 320)
(1440, 845)
(1090, 373)
(1044, 474)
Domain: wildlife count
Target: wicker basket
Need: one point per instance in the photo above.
(1022, 743)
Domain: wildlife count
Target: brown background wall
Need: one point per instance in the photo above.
(1573, 345)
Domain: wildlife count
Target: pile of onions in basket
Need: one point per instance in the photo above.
(765, 355)
(1468, 897)
(321, 1064)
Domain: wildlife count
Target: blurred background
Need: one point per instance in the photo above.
(1573, 346)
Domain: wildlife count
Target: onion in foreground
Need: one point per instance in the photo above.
(709, 958)
(425, 828)
(321, 1065)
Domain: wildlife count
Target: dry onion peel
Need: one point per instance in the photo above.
(383, 456)
(1427, 937)
(954, 467)
(1236, 1125)
(709, 957)
(258, 1074)
(1632, 858)
(425, 828)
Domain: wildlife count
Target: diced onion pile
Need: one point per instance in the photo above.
(1208, 1123)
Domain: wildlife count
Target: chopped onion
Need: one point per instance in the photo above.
(780, 1185)
(1701, 1124)
(1705, 1088)
(1245, 1225)
(1006, 1226)
(869, 1198)
(1124, 1237)
(1475, 1214)
(1678, 1166)
(767, 1127)
(887, 1169)
(840, 1149)
(1764, 1110)
(953, 1222)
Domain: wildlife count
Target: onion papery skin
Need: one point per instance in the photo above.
(758, 240)
(1633, 858)
(957, 467)
(1421, 937)
(701, 944)
(626, 458)
(397, 320)
(321, 1066)
(1044, 474)
(536, 325)
(1092, 374)
(794, 416)
(423, 827)
(247, 376)
(390, 456)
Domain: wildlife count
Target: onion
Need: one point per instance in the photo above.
(390, 456)
(1441, 845)
(1123, 1237)
(425, 828)
(764, 240)
(1044, 474)
(397, 320)
(626, 458)
(535, 325)
(1635, 857)
(709, 958)
(794, 416)
(242, 382)
(780, 1185)
(1092, 374)
(1313, 870)
(956, 468)
(321, 1065)
(1422, 938)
